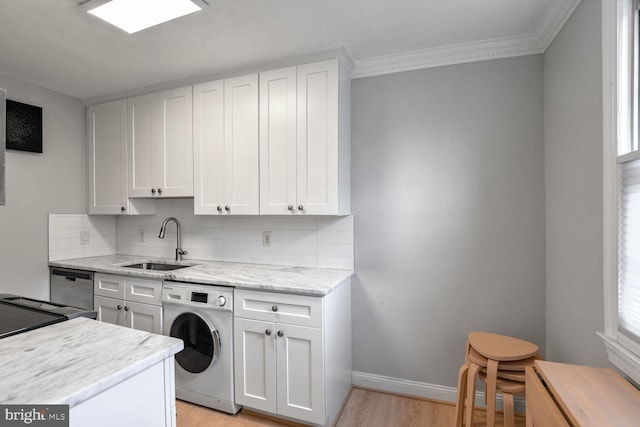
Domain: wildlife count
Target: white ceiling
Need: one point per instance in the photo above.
(54, 44)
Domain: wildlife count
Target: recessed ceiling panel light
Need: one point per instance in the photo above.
(135, 15)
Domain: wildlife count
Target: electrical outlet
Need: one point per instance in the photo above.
(85, 237)
(143, 238)
(266, 239)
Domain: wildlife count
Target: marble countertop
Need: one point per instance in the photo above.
(70, 362)
(275, 278)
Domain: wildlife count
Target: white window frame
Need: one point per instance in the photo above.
(619, 127)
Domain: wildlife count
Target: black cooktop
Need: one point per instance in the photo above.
(18, 314)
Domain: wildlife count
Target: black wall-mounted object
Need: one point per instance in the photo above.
(3, 116)
(24, 127)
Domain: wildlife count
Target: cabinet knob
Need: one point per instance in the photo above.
(119, 307)
(267, 332)
(227, 208)
(126, 308)
(280, 333)
(219, 208)
(122, 209)
(153, 191)
(159, 190)
(300, 207)
(290, 207)
(274, 308)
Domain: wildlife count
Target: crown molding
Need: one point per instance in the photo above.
(554, 18)
(556, 15)
(446, 55)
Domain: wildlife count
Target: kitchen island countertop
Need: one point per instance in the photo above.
(73, 361)
(275, 278)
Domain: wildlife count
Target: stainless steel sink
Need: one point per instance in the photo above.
(158, 266)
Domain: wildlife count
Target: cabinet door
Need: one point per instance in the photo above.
(317, 137)
(110, 310)
(107, 140)
(255, 364)
(173, 154)
(278, 141)
(143, 317)
(241, 145)
(141, 136)
(208, 146)
(300, 373)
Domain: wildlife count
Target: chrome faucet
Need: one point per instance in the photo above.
(163, 228)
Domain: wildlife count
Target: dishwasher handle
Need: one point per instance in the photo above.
(72, 275)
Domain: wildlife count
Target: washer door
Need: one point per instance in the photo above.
(201, 342)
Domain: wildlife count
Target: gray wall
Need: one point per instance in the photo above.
(573, 183)
(448, 201)
(54, 181)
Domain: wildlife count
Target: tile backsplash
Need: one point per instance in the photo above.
(300, 241)
(79, 235)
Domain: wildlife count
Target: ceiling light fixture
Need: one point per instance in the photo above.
(135, 15)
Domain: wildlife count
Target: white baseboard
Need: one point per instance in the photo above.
(425, 390)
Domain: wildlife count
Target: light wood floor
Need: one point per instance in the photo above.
(364, 408)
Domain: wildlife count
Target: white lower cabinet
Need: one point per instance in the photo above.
(129, 301)
(291, 358)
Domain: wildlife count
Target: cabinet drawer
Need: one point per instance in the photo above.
(541, 407)
(143, 290)
(274, 307)
(129, 288)
(108, 285)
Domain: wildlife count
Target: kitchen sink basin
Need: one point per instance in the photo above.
(158, 266)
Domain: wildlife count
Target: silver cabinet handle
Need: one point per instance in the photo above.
(280, 333)
(300, 207)
(153, 191)
(227, 208)
(274, 308)
(290, 207)
(119, 307)
(159, 190)
(267, 332)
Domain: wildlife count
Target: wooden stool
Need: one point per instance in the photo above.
(508, 390)
(500, 361)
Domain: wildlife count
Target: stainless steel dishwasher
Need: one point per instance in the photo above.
(72, 287)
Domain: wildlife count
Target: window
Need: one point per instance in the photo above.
(621, 170)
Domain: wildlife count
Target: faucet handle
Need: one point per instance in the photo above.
(179, 253)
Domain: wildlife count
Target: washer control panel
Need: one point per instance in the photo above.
(198, 295)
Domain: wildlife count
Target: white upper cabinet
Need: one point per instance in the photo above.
(226, 146)
(208, 147)
(107, 161)
(107, 138)
(142, 136)
(273, 143)
(160, 144)
(278, 147)
(305, 140)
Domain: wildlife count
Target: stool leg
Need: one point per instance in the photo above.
(490, 396)
(485, 393)
(507, 401)
(462, 394)
(472, 376)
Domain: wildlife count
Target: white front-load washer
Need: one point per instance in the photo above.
(202, 317)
